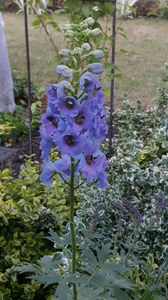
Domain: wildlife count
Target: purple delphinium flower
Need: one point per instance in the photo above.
(75, 127)
(92, 163)
(51, 125)
(99, 128)
(88, 81)
(59, 166)
(96, 98)
(95, 68)
(83, 119)
(54, 91)
(102, 176)
(68, 106)
(70, 143)
(45, 144)
(51, 91)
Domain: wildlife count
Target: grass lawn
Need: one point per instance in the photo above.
(141, 71)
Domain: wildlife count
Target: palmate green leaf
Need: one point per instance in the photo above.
(47, 279)
(60, 242)
(63, 292)
(50, 262)
(27, 268)
(119, 294)
(90, 258)
(103, 253)
(110, 280)
(86, 292)
(116, 267)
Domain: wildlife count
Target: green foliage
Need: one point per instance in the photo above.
(95, 273)
(18, 121)
(79, 10)
(26, 214)
(138, 172)
(101, 273)
(121, 232)
(20, 87)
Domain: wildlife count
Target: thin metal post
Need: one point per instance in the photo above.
(28, 75)
(112, 79)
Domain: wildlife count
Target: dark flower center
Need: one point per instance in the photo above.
(97, 88)
(79, 119)
(86, 84)
(53, 121)
(89, 159)
(69, 103)
(54, 91)
(70, 140)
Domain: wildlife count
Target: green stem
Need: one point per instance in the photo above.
(72, 226)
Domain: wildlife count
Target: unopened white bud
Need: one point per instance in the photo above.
(97, 54)
(64, 53)
(96, 32)
(69, 33)
(77, 50)
(87, 32)
(67, 27)
(86, 47)
(89, 21)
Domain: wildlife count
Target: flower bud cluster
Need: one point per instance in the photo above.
(75, 32)
(76, 125)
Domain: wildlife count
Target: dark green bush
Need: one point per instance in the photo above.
(163, 12)
(20, 87)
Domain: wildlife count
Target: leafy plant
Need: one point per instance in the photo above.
(20, 87)
(26, 215)
(17, 123)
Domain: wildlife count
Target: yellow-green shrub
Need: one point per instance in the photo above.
(27, 210)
